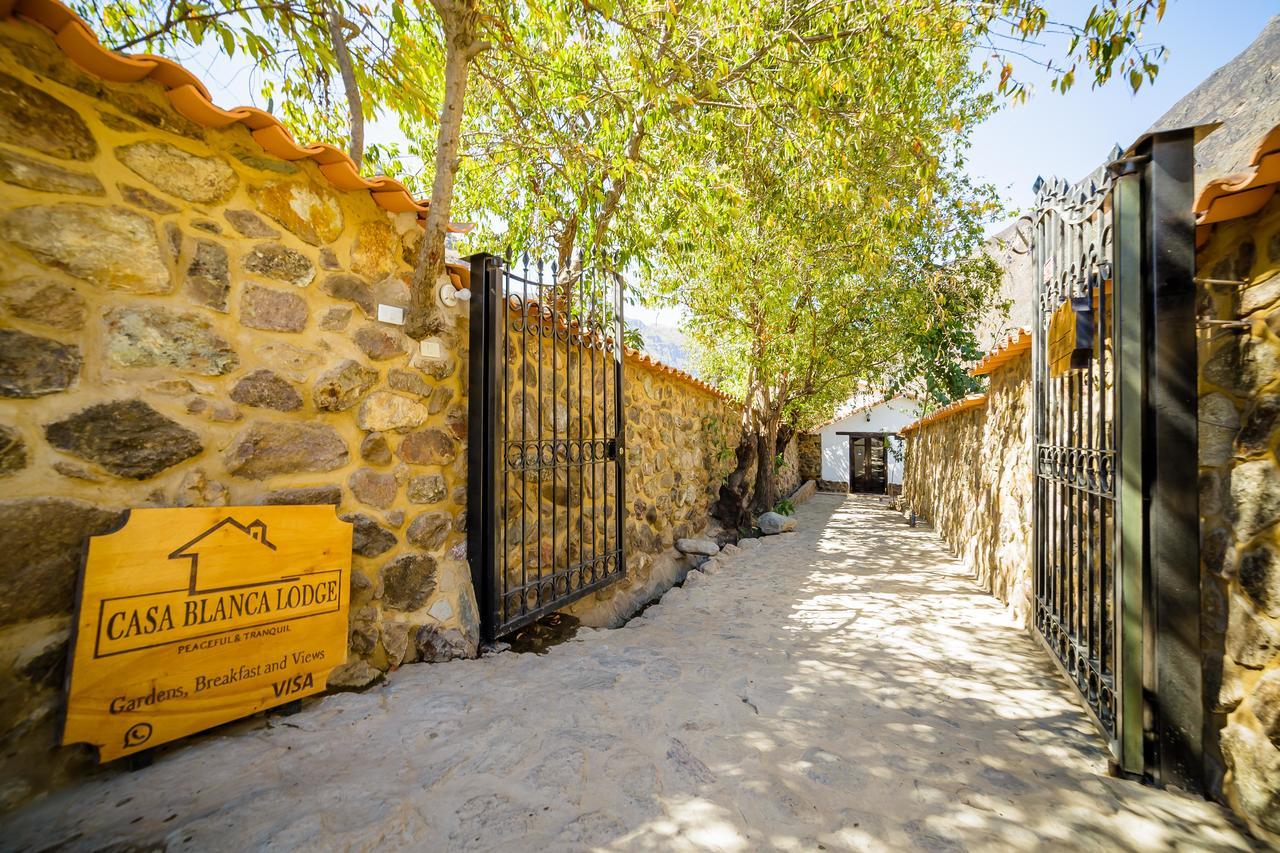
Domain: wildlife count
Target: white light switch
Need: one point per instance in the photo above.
(393, 314)
(432, 348)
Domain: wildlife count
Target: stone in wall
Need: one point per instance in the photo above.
(157, 337)
(191, 177)
(264, 389)
(352, 289)
(383, 411)
(281, 263)
(41, 540)
(306, 208)
(273, 310)
(408, 581)
(35, 119)
(35, 174)
(44, 301)
(32, 366)
(13, 451)
(342, 386)
(112, 247)
(208, 277)
(249, 224)
(128, 438)
(266, 449)
(427, 447)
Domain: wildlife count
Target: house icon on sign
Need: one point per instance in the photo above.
(231, 555)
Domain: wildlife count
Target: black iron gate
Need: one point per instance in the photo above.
(546, 456)
(1116, 573)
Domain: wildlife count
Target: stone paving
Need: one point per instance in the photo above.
(843, 687)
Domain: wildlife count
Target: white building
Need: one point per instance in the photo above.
(866, 441)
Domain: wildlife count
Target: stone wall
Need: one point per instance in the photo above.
(809, 455)
(1240, 511)
(189, 321)
(680, 439)
(970, 476)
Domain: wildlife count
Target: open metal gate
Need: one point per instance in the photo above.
(1116, 536)
(545, 455)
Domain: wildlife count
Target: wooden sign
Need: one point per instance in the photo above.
(189, 618)
(1070, 338)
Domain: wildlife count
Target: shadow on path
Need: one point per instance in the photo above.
(845, 687)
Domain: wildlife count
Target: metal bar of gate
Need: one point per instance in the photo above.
(1129, 332)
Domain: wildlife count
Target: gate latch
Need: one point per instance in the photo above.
(612, 448)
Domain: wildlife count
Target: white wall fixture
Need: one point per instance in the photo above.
(392, 314)
(432, 348)
(451, 296)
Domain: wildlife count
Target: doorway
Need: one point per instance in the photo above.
(868, 468)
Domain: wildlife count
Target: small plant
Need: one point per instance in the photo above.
(785, 507)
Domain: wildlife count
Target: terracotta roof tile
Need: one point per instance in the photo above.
(1241, 194)
(954, 408)
(1017, 343)
(191, 98)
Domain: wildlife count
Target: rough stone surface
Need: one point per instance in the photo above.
(13, 451)
(208, 277)
(654, 736)
(304, 496)
(373, 488)
(112, 247)
(156, 337)
(1255, 496)
(266, 449)
(384, 411)
(352, 289)
(427, 447)
(429, 530)
(1261, 427)
(272, 310)
(376, 248)
(335, 319)
(249, 224)
(374, 448)
(379, 343)
(1259, 574)
(408, 581)
(1265, 704)
(342, 386)
(427, 489)
(39, 175)
(44, 301)
(139, 197)
(1218, 423)
(277, 261)
(368, 538)
(772, 523)
(196, 489)
(191, 177)
(409, 381)
(308, 209)
(41, 542)
(38, 121)
(32, 366)
(1255, 765)
(436, 644)
(128, 438)
(266, 390)
(697, 546)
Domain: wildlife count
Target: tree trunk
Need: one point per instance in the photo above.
(766, 490)
(731, 508)
(461, 20)
(355, 107)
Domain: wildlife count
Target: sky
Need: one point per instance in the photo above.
(1069, 135)
(1051, 135)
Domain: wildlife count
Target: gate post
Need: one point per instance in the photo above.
(482, 423)
(1176, 678)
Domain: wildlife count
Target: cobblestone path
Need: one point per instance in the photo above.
(844, 687)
